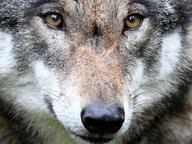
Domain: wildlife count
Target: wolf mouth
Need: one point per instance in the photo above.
(95, 140)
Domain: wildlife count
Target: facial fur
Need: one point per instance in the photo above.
(49, 75)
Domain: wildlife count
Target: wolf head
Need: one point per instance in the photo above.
(104, 69)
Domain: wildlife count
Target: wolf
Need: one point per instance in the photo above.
(95, 72)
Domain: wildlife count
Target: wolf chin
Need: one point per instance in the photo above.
(95, 71)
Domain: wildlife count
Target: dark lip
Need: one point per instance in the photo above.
(95, 140)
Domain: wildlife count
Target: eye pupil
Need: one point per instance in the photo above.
(54, 17)
(132, 19)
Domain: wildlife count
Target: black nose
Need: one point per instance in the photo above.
(99, 119)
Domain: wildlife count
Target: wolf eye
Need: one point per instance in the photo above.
(53, 20)
(133, 21)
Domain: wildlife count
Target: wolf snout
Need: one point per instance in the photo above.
(102, 120)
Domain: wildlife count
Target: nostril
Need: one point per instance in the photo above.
(96, 30)
(102, 120)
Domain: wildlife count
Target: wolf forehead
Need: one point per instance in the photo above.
(94, 6)
(107, 14)
(100, 8)
(86, 11)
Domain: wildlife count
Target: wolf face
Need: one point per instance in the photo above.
(103, 70)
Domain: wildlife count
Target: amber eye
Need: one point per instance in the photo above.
(134, 21)
(53, 20)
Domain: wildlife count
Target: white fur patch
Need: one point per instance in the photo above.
(137, 77)
(68, 108)
(128, 116)
(137, 88)
(46, 79)
(6, 56)
(171, 48)
(65, 99)
(48, 84)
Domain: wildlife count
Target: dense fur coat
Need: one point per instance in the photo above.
(50, 75)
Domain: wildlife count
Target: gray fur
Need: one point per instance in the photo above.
(94, 53)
